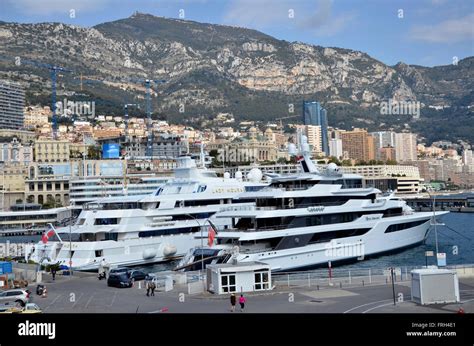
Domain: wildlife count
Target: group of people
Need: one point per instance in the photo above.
(233, 301)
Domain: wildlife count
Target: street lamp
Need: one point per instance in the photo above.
(70, 219)
(70, 245)
(3, 188)
(434, 223)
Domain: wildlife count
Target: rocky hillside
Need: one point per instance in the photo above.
(214, 68)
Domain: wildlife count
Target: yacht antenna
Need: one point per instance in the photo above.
(202, 157)
(223, 163)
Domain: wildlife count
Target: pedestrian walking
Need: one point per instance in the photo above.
(242, 301)
(53, 273)
(232, 302)
(153, 286)
(148, 288)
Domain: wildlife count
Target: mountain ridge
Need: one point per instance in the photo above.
(213, 68)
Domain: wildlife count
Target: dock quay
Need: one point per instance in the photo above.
(292, 293)
(460, 203)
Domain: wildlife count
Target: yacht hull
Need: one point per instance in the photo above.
(141, 251)
(374, 243)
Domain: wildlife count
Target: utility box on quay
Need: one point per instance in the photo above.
(434, 286)
(228, 278)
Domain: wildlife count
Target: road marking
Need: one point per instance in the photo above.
(378, 306)
(366, 305)
(87, 304)
(73, 305)
(54, 301)
(113, 300)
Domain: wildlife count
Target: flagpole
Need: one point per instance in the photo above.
(202, 244)
(57, 234)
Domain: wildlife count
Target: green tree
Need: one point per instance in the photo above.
(335, 160)
(346, 162)
(93, 152)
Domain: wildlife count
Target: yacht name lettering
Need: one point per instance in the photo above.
(315, 209)
(222, 190)
(368, 218)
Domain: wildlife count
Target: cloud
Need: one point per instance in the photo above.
(316, 16)
(449, 31)
(53, 7)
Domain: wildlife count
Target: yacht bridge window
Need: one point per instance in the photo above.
(107, 221)
(157, 233)
(294, 184)
(191, 216)
(346, 183)
(199, 202)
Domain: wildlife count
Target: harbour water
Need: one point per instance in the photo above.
(460, 237)
(457, 242)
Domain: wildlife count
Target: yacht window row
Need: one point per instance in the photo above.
(157, 233)
(308, 220)
(308, 183)
(402, 226)
(304, 202)
(294, 241)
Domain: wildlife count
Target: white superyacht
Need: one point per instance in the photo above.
(138, 230)
(312, 218)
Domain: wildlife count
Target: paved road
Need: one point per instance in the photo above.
(87, 294)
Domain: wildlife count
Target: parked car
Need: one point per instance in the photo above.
(5, 307)
(159, 281)
(31, 308)
(137, 275)
(119, 280)
(21, 297)
(119, 270)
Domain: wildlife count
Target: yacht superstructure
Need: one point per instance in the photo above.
(135, 230)
(313, 218)
(88, 189)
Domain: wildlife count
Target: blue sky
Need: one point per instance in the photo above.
(422, 32)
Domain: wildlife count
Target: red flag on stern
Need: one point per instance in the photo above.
(46, 235)
(211, 235)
